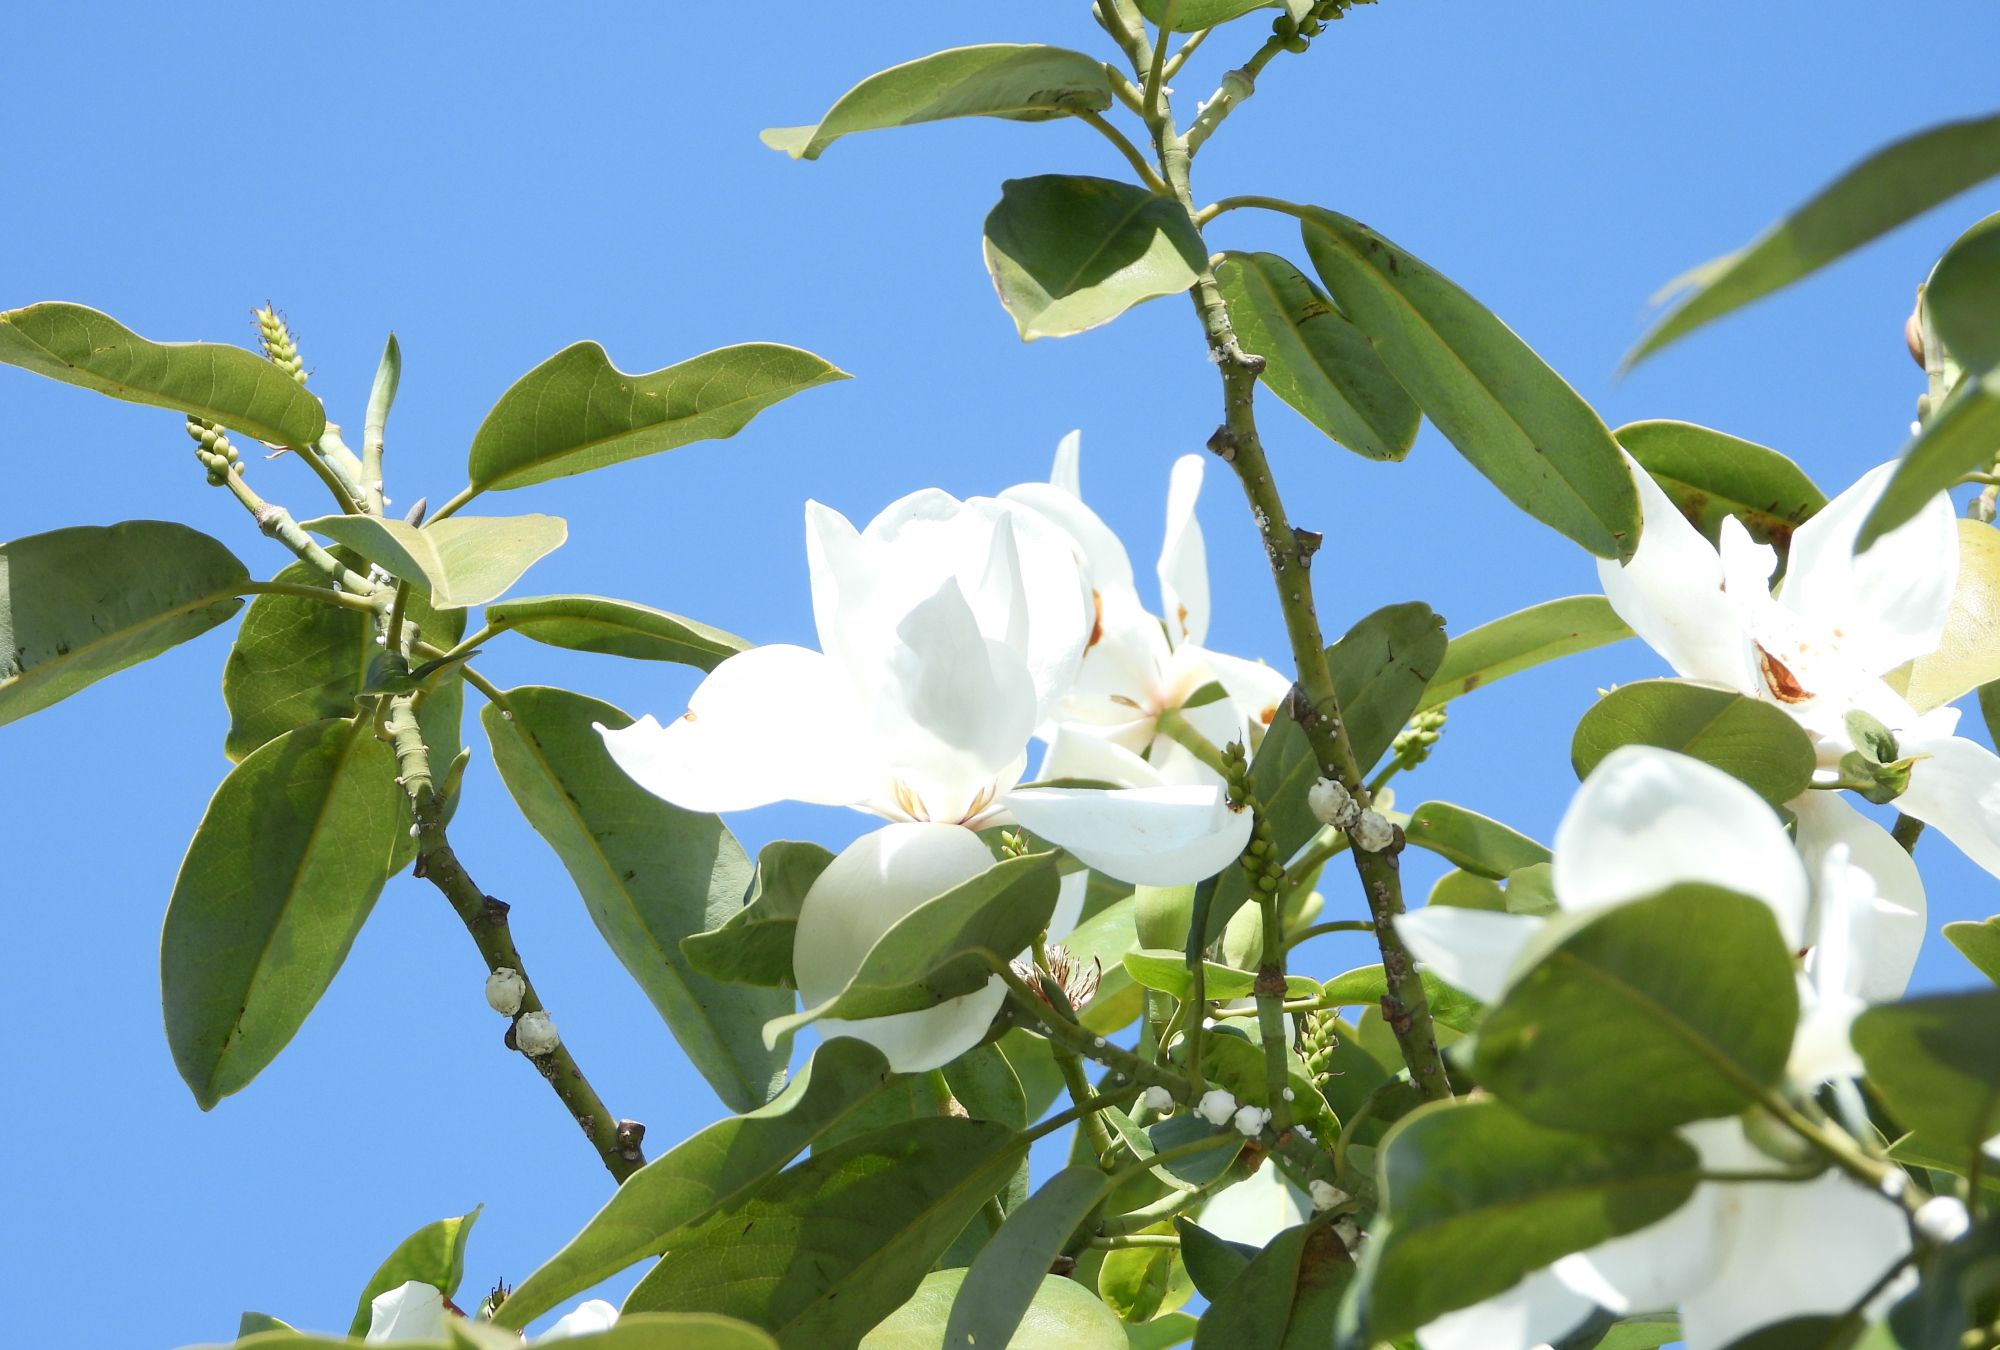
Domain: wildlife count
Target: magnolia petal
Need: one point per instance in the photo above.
(844, 578)
(1066, 473)
(1886, 909)
(1648, 818)
(1218, 723)
(1257, 690)
(1887, 605)
(1183, 566)
(769, 724)
(1671, 593)
(412, 1311)
(1956, 788)
(1653, 1269)
(1469, 949)
(1101, 754)
(1125, 669)
(1070, 895)
(1538, 1310)
(1255, 1209)
(587, 1317)
(1103, 556)
(1158, 836)
(869, 885)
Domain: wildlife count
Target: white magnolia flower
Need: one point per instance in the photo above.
(412, 1311)
(1821, 646)
(587, 1317)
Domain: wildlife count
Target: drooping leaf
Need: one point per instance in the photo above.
(650, 874)
(1498, 403)
(754, 945)
(1710, 475)
(1520, 641)
(1008, 1271)
(1979, 943)
(1961, 437)
(1476, 1197)
(825, 1250)
(210, 380)
(1961, 294)
(1968, 652)
(1895, 184)
(1137, 1282)
(434, 1254)
(1194, 15)
(1479, 844)
(576, 411)
(1025, 82)
(708, 1174)
(1315, 358)
(1936, 1064)
(1062, 1316)
(282, 872)
(1645, 1015)
(1213, 1262)
(1750, 739)
(1069, 253)
(458, 561)
(1380, 670)
(1286, 1298)
(592, 623)
(1365, 986)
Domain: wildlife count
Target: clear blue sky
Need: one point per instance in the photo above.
(495, 182)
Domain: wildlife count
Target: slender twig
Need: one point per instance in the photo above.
(1173, 724)
(1908, 829)
(1127, 149)
(277, 522)
(326, 594)
(393, 631)
(451, 508)
(1153, 75)
(1089, 1106)
(1112, 1244)
(1330, 842)
(1335, 926)
(1180, 58)
(334, 484)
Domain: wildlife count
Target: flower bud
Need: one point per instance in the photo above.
(1325, 1195)
(1158, 1100)
(1941, 1219)
(1371, 833)
(504, 991)
(535, 1035)
(1251, 1120)
(1331, 804)
(1216, 1106)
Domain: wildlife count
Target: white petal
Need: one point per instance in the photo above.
(1124, 670)
(869, 885)
(1671, 594)
(845, 575)
(1074, 889)
(1652, 1269)
(1101, 754)
(1647, 819)
(771, 724)
(1889, 604)
(1103, 556)
(593, 1315)
(1538, 1310)
(1469, 949)
(1184, 558)
(413, 1311)
(1255, 1209)
(1957, 790)
(1160, 836)
(1257, 690)
(1885, 916)
(1066, 473)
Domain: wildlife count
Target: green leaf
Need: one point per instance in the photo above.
(1063, 1316)
(984, 1084)
(458, 561)
(754, 945)
(1025, 82)
(1286, 1298)
(708, 1174)
(1365, 986)
(591, 623)
(1477, 843)
(649, 1331)
(1315, 358)
(1380, 669)
(1195, 15)
(1895, 184)
(1710, 475)
(1213, 1263)
(1959, 438)
(1968, 652)
(434, 1254)
(1748, 738)
(1960, 1288)
(1008, 1271)
(1936, 1064)
(213, 381)
(86, 602)
(1640, 1333)
(1962, 294)
(1476, 1197)
(945, 947)
(1162, 1333)
(1035, 1067)
(253, 1322)
(1512, 417)
(1465, 890)
(1134, 1282)
(1979, 943)
(1520, 641)
(1069, 253)
(827, 1249)
(1198, 1170)
(1645, 1015)
(650, 874)
(1232, 1060)
(1167, 971)
(576, 411)
(283, 870)
(382, 392)
(1105, 937)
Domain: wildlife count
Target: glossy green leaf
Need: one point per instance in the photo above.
(1381, 667)
(592, 623)
(1285, 1298)
(1136, 1282)
(1365, 986)
(283, 870)
(827, 1249)
(945, 947)
(1968, 652)
(210, 380)
(754, 945)
(253, 1322)
(1748, 738)
(1063, 1316)
(1476, 1197)
(650, 874)
(1231, 1059)
(382, 393)
(1069, 253)
(1979, 943)
(1161, 915)
(650, 1331)
(1162, 1333)
(1895, 184)
(1315, 358)
(1025, 82)
(1498, 403)
(1105, 937)
(1212, 1262)
(1034, 1067)
(1961, 437)
(1191, 16)
(1521, 641)
(1710, 476)
(86, 602)
(1935, 1063)
(576, 411)
(1004, 1278)
(458, 561)
(1645, 1015)
(1167, 971)
(1962, 297)
(708, 1174)
(1479, 844)
(982, 1081)
(1466, 890)
(434, 1254)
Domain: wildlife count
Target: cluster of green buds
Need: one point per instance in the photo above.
(276, 338)
(1013, 844)
(212, 448)
(1318, 1039)
(1297, 34)
(1414, 742)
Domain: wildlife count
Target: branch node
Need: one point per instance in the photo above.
(1223, 444)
